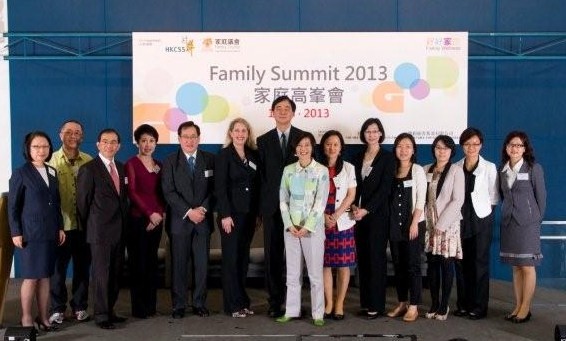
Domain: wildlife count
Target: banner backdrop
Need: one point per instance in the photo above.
(413, 82)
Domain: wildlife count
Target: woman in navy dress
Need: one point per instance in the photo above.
(36, 225)
(523, 193)
(146, 212)
(339, 245)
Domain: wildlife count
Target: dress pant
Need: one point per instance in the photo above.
(406, 257)
(235, 261)
(77, 249)
(440, 273)
(472, 271)
(142, 264)
(274, 250)
(189, 254)
(107, 265)
(311, 248)
(371, 247)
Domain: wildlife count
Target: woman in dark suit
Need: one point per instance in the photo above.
(523, 193)
(236, 188)
(375, 169)
(36, 225)
(146, 213)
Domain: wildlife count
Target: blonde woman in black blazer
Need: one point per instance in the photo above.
(236, 186)
(375, 169)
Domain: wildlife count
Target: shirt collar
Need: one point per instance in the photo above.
(515, 169)
(66, 159)
(105, 160)
(300, 168)
(286, 132)
(189, 155)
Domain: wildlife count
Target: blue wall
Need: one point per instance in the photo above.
(502, 95)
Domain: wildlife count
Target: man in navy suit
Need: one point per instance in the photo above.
(187, 183)
(274, 154)
(102, 209)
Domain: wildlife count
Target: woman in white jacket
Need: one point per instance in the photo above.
(472, 272)
(407, 225)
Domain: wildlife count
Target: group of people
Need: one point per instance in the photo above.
(315, 207)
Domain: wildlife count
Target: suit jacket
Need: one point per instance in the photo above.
(34, 209)
(449, 196)
(271, 166)
(183, 190)
(525, 201)
(485, 194)
(372, 193)
(102, 210)
(236, 184)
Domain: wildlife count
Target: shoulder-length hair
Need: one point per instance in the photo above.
(324, 158)
(410, 138)
(250, 142)
(528, 155)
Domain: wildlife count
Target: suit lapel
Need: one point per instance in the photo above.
(106, 175)
(36, 177)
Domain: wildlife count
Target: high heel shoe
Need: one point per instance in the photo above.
(518, 319)
(399, 311)
(510, 317)
(43, 327)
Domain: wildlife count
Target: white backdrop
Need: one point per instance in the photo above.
(413, 82)
(6, 136)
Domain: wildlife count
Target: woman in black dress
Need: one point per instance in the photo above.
(36, 225)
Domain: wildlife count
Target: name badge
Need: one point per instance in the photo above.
(51, 171)
(408, 183)
(126, 180)
(523, 176)
(252, 165)
(208, 173)
(428, 177)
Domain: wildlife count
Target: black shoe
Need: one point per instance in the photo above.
(42, 326)
(275, 312)
(338, 317)
(178, 313)
(106, 325)
(327, 315)
(201, 311)
(527, 318)
(461, 313)
(509, 317)
(117, 319)
(476, 315)
(372, 315)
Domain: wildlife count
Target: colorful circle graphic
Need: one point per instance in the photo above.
(192, 98)
(406, 75)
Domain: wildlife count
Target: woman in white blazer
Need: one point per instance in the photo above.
(445, 196)
(339, 245)
(472, 272)
(407, 225)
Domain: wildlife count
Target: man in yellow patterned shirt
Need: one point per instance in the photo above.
(67, 161)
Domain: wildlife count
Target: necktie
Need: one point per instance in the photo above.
(114, 176)
(283, 144)
(191, 161)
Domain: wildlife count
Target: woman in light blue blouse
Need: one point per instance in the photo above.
(303, 194)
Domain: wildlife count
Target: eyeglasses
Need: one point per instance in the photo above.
(468, 145)
(515, 145)
(72, 133)
(110, 142)
(189, 137)
(40, 147)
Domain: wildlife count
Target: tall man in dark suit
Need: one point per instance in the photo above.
(187, 183)
(102, 209)
(274, 154)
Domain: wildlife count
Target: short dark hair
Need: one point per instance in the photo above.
(340, 160)
(528, 155)
(108, 131)
(469, 133)
(281, 99)
(186, 125)
(410, 138)
(72, 121)
(27, 144)
(366, 124)
(301, 136)
(145, 129)
(448, 142)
